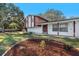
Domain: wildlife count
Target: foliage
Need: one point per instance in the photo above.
(2, 50)
(68, 47)
(13, 25)
(52, 14)
(8, 40)
(30, 33)
(10, 13)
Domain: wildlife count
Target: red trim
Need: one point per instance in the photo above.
(74, 28)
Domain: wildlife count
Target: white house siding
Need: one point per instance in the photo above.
(37, 30)
(32, 21)
(70, 30)
(50, 31)
(77, 29)
(69, 33)
(29, 21)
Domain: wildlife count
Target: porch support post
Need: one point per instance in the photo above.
(58, 29)
(73, 28)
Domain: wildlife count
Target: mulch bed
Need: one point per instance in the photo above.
(31, 47)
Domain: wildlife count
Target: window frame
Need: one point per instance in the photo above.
(55, 27)
(63, 27)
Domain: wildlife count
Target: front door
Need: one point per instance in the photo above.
(45, 29)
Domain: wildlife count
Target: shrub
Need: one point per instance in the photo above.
(30, 33)
(67, 47)
(8, 40)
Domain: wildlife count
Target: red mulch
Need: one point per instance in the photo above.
(31, 47)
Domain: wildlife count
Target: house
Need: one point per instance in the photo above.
(66, 27)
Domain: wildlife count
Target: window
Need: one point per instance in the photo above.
(55, 27)
(63, 27)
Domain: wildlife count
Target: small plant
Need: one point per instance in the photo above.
(42, 44)
(67, 47)
(30, 33)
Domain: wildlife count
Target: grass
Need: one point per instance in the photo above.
(66, 40)
(20, 36)
(10, 38)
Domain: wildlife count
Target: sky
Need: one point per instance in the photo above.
(69, 9)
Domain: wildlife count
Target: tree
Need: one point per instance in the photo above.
(13, 25)
(3, 14)
(52, 15)
(11, 13)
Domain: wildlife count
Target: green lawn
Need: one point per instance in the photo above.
(10, 38)
(73, 42)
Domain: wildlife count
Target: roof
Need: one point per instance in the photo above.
(70, 19)
(66, 19)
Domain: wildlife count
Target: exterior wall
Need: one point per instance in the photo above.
(33, 24)
(29, 21)
(69, 33)
(70, 30)
(77, 29)
(50, 31)
(38, 20)
(37, 30)
(33, 21)
(26, 22)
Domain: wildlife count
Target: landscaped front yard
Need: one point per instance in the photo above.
(7, 40)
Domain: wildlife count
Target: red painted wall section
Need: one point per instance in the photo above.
(38, 20)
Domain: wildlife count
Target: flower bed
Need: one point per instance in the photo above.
(42, 47)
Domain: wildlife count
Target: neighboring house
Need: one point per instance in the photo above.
(66, 27)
